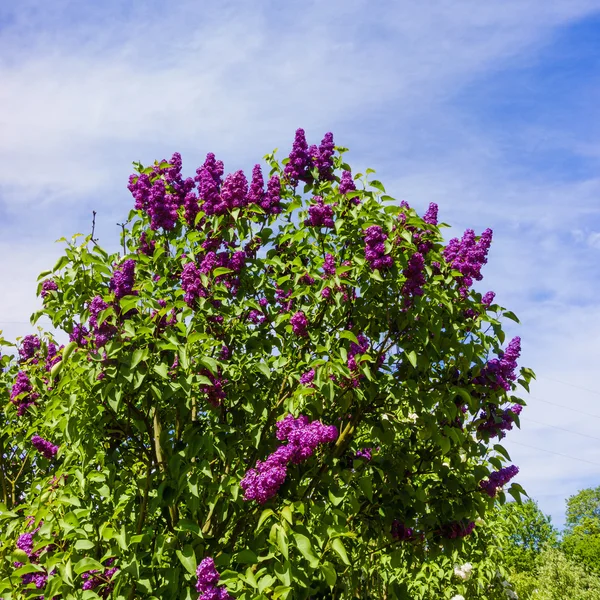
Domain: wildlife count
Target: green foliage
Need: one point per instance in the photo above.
(157, 427)
(581, 538)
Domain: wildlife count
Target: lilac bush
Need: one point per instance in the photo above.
(285, 384)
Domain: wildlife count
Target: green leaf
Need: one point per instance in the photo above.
(162, 370)
(87, 564)
(268, 512)
(338, 547)
(348, 335)
(282, 541)
(412, 357)
(187, 559)
(303, 544)
(329, 573)
(377, 184)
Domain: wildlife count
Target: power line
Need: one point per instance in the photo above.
(561, 428)
(583, 412)
(557, 453)
(580, 387)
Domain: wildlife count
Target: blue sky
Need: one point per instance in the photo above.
(488, 109)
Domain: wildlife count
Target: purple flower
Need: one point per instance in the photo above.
(500, 372)
(93, 579)
(271, 202)
(256, 193)
(263, 481)
(329, 265)
(191, 284)
(22, 394)
(146, 247)
(375, 248)
(319, 214)
(49, 285)
(308, 378)
(123, 278)
(52, 357)
(415, 278)
(400, 531)
(234, 191)
(44, 447)
(494, 424)
(299, 324)
(104, 331)
(208, 577)
(458, 529)
(431, 216)
(79, 334)
(297, 169)
(323, 157)
(365, 453)
(488, 298)
(497, 479)
(29, 346)
(25, 542)
(468, 256)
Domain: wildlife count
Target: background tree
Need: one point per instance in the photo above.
(280, 391)
(581, 538)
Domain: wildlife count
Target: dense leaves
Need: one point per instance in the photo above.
(309, 337)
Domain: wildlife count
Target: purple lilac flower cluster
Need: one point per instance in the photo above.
(458, 529)
(123, 279)
(299, 324)
(497, 479)
(431, 216)
(302, 159)
(308, 378)
(53, 356)
(44, 447)
(104, 331)
(29, 346)
(22, 386)
(215, 394)
(25, 543)
(49, 285)
(303, 436)
(401, 532)
(208, 577)
(322, 157)
(94, 579)
(79, 334)
(375, 248)
(488, 298)
(329, 265)
(495, 424)
(366, 453)
(146, 247)
(191, 284)
(468, 255)
(319, 214)
(269, 200)
(499, 373)
(347, 185)
(415, 278)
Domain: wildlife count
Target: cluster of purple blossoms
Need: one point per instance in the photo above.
(44, 447)
(104, 331)
(497, 479)
(167, 320)
(308, 378)
(256, 317)
(500, 372)
(431, 216)
(366, 453)
(458, 529)
(415, 278)
(401, 532)
(495, 424)
(347, 185)
(122, 280)
(215, 394)
(49, 285)
(22, 394)
(302, 159)
(360, 348)
(375, 248)
(95, 579)
(79, 334)
(303, 436)
(488, 298)
(322, 157)
(146, 247)
(468, 255)
(299, 324)
(269, 200)
(29, 346)
(208, 577)
(25, 543)
(53, 356)
(319, 214)
(191, 284)
(329, 265)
